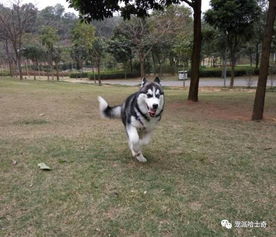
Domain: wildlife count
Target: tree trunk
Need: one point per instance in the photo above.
(57, 70)
(258, 108)
(154, 64)
(131, 66)
(233, 64)
(9, 57)
(27, 69)
(142, 65)
(36, 69)
(48, 72)
(224, 70)
(10, 68)
(193, 91)
(18, 61)
(125, 69)
(99, 71)
(52, 71)
(257, 56)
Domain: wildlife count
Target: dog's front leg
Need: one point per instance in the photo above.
(145, 138)
(134, 143)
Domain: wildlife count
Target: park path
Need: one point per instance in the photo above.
(204, 82)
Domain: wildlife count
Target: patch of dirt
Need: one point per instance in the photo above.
(211, 110)
(195, 206)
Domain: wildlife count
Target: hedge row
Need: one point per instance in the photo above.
(117, 75)
(4, 74)
(213, 72)
(217, 72)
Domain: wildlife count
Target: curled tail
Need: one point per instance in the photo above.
(107, 111)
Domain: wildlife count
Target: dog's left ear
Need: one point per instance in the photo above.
(157, 80)
(144, 81)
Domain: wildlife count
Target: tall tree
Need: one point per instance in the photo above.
(179, 32)
(79, 55)
(49, 38)
(120, 48)
(137, 32)
(34, 53)
(14, 23)
(83, 38)
(98, 10)
(235, 19)
(193, 91)
(259, 102)
(97, 51)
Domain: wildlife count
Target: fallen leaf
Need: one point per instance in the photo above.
(43, 166)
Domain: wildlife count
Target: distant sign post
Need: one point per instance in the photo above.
(183, 75)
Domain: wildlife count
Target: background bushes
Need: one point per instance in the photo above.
(105, 75)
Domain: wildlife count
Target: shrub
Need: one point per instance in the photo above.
(166, 68)
(79, 75)
(120, 75)
(105, 75)
(216, 72)
(4, 74)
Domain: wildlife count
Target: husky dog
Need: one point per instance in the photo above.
(140, 113)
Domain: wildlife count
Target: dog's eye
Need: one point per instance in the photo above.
(149, 95)
(157, 96)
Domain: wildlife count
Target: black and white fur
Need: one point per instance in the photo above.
(140, 114)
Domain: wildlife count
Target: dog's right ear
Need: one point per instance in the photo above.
(144, 81)
(157, 80)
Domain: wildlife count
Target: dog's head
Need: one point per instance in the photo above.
(152, 96)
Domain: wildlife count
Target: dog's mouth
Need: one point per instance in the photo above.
(151, 112)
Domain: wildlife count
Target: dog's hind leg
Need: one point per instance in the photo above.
(134, 143)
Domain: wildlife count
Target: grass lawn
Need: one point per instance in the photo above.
(207, 162)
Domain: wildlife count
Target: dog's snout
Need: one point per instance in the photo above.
(155, 106)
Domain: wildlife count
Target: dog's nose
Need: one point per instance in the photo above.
(155, 106)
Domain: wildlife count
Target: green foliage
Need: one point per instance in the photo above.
(120, 48)
(55, 16)
(83, 38)
(83, 35)
(79, 55)
(182, 47)
(79, 75)
(49, 37)
(98, 9)
(105, 75)
(234, 18)
(56, 56)
(216, 72)
(34, 53)
(98, 48)
(4, 74)
(234, 21)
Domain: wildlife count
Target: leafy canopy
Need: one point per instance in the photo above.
(233, 16)
(99, 9)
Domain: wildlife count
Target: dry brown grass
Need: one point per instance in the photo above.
(207, 162)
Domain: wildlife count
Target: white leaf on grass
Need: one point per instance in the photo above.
(43, 166)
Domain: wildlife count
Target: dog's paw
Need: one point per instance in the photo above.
(141, 158)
